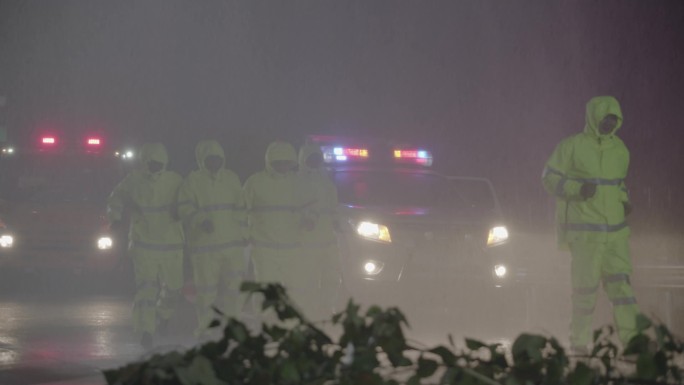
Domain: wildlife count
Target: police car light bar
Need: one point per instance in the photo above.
(421, 157)
(343, 154)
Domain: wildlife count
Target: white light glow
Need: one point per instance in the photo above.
(105, 243)
(6, 241)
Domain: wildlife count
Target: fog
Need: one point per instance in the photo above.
(491, 86)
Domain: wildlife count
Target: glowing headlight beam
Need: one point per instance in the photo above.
(374, 231)
(6, 241)
(497, 235)
(105, 243)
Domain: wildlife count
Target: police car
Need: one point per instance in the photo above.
(400, 221)
(53, 194)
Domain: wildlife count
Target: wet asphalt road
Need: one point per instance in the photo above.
(62, 328)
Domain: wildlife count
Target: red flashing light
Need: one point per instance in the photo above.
(94, 141)
(343, 154)
(49, 140)
(421, 157)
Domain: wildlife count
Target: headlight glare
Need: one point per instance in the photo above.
(374, 231)
(6, 241)
(105, 243)
(500, 271)
(497, 235)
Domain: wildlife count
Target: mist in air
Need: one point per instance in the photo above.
(490, 86)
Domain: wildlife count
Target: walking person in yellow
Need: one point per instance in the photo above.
(586, 173)
(155, 238)
(211, 205)
(275, 205)
(319, 245)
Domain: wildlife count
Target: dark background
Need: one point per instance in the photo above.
(493, 85)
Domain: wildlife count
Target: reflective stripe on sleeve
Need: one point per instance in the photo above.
(594, 227)
(154, 209)
(271, 208)
(616, 278)
(624, 301)
(599, 181)
(219, 207)
(155, 247)
(560, 187)
(217, 247)
(275, 245)
(550, 170)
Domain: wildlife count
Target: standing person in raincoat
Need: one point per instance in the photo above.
(319, 245)
(586, 173)
(275, 206)
(211, 205)
(155, 238)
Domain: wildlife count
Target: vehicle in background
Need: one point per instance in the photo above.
(401, 222)
(53, 195)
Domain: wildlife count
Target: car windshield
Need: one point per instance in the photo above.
(57, 179)
(383, 188)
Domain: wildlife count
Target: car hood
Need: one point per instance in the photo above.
(428, 216)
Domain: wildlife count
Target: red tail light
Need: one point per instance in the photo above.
(49, 140)
(94, 141)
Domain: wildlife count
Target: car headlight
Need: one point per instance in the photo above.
(500, 271)
(373, 267)
(105, 243)
(374, 231)
(6, 241)
(497, 235)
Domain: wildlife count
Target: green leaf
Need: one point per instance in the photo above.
(637, 345)
(289, 372)
(448, 358)
(642, 323)
(214, 323)
(647, 368)
(218, 311)
(582, 375)
(414, 380)
(528, 347)
(426, 367)
(200, 371)
(474, 344)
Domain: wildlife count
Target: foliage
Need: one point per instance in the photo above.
(372, 350)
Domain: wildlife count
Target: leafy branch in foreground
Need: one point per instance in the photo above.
(373, 350)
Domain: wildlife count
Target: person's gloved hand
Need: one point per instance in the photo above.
(207, 226)
(588, 190)
(628, 208)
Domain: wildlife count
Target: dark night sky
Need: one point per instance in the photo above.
(493, 84)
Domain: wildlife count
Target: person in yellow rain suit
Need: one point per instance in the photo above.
(211, 204)
(319, 245)
(275, 205)
(155, 238)
(586, 173)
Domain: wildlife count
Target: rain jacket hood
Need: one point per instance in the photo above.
(598, 108)
(304, 153)
(279, 151)
(153, 152)
(207, 148)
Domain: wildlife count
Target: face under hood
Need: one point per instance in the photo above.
(304, 153)
(208, 148)
(597, 109)
(153, 152)
(279, 151)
